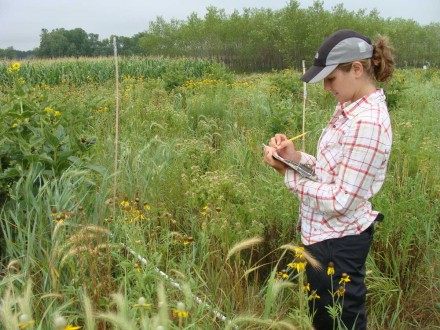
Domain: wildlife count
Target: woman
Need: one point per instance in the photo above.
(336, 219)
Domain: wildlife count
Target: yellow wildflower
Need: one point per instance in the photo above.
(331, 269)
(125, 204)
(25, 321)
(142, 303)
(187, 240)
(180, 311)
(299, 252)
(101, 109)
(282, 275)
(340, 292)
(60, 323)
(314, 295)
(180, 314)
(48, 109)
(300, 266)
(25, 325)
(16, 66)
(57, 113)
(345, 278)
(307, 286)
(205, 210)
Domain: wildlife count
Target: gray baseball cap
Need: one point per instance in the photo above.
(343, 46)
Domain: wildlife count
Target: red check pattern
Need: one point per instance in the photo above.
(350, 165)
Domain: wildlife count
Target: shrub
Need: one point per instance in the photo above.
(38, 131)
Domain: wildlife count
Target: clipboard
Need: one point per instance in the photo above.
(303, 170)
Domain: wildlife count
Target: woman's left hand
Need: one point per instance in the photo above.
(268, 159)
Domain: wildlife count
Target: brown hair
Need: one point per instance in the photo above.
(380, 67)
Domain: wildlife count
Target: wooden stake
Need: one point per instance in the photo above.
(115, 170)
(304, 107)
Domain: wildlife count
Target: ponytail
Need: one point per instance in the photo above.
(382, 62)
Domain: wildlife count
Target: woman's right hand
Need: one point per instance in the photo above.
(285, 148)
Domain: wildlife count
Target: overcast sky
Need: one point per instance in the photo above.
(21, 21)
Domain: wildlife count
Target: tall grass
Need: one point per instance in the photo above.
(192, 191)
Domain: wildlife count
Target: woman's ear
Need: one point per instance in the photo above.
(357, 68)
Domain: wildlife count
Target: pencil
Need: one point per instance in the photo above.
(298, 136)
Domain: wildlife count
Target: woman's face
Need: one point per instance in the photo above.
(341, 84)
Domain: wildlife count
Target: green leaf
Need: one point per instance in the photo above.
(11, 172)
(97, 168)
(51, 139)
(74, 159)
(60, 132)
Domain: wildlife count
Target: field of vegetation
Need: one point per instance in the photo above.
(201, 234)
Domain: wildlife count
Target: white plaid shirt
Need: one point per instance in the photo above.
(351, 162)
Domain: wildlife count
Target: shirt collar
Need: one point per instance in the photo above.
(350, 110)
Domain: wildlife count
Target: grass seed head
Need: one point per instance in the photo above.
(244, 245)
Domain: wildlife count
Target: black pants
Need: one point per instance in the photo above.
(348, 255)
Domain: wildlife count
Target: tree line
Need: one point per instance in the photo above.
(254, 39)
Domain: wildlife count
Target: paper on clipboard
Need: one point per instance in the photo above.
(303, 170)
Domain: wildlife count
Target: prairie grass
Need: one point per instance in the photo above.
(196, 201)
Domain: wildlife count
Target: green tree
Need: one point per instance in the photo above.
(406, 36)
(52, 44)
(8, 53)
(292, 34)
(432, 44)
(192, 37)
(61, 43)
(161, 39)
